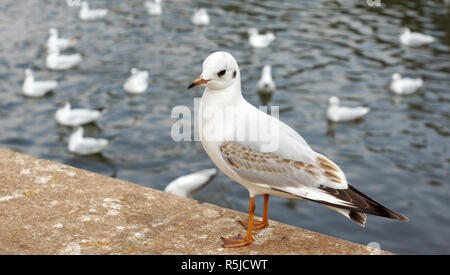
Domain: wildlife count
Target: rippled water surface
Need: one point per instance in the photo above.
(398, 154)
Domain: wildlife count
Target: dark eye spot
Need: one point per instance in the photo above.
(234, 74)
(221, 73)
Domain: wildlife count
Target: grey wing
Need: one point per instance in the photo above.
(309, 176)
(294, 168)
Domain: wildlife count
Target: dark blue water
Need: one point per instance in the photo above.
(398, 154)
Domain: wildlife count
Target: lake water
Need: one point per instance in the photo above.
(398, 155)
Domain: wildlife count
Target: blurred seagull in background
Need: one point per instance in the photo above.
(91, 14)
(154, 7)
(75, 117)
(85, 146)
(337, 113)
(405, 86)
(260, 40)
(409, 38)
(137, 83)
(279, 163)
(55, 61)
(188, 185)
(61, 43)
(34, 88)
(266, 85)
(200, 17)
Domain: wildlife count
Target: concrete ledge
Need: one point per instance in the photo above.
(50, 208)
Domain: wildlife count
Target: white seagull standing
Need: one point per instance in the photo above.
(338, 113)
(75, 117)
(154, 7)
(61, 43)
(409, 38)
(260, 40)
(34, 88)
(56, 61)
(137, 83)
(405, 86)
(266, 85)
(85, 146)
(91, 14)
(283, 165)
(186, 186)
(200, 17)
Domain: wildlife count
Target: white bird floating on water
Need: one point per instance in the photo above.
(91, 14)
(409, 38)
(154, 7)
(405, 86)
(137, 83)
(34, 88)
(188, 185)
(75, 117)
(266, 85)
(200, 17)
(56, 61)
(260, 40)
(337, 113)
(277, 161)
(85, 146)
(61, 43)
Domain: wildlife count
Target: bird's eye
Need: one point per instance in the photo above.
(221, 73)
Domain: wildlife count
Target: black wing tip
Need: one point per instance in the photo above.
(380, 210)
(397, 216)
(358, 217)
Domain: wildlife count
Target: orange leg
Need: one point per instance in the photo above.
(239, 241)
(265, 221)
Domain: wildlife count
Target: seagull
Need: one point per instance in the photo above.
(409, 38)
(91, 14)
(85, 146)
(266, 84)
(405, 86)
(61, 43)
(186, 186)
(277, 162)
(34, 88)
(338, 113)
(154, 7)
(137, 83)
(75, 117)
(56, 61)
(200, 17)
(260, 40)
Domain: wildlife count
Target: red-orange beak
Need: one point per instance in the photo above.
(197, 82)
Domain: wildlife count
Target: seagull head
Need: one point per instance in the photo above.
(405, 30)
(220, 71)
(53, 31)
(396, 76)
(28, 72)
(333, 101)
(267, 70)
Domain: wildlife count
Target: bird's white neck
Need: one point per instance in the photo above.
(266, 74)
(223, 97)
(29, 79)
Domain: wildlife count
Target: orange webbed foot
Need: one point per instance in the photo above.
(257, 225)
(237, 241)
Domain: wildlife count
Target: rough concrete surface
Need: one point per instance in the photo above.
(50, 208)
